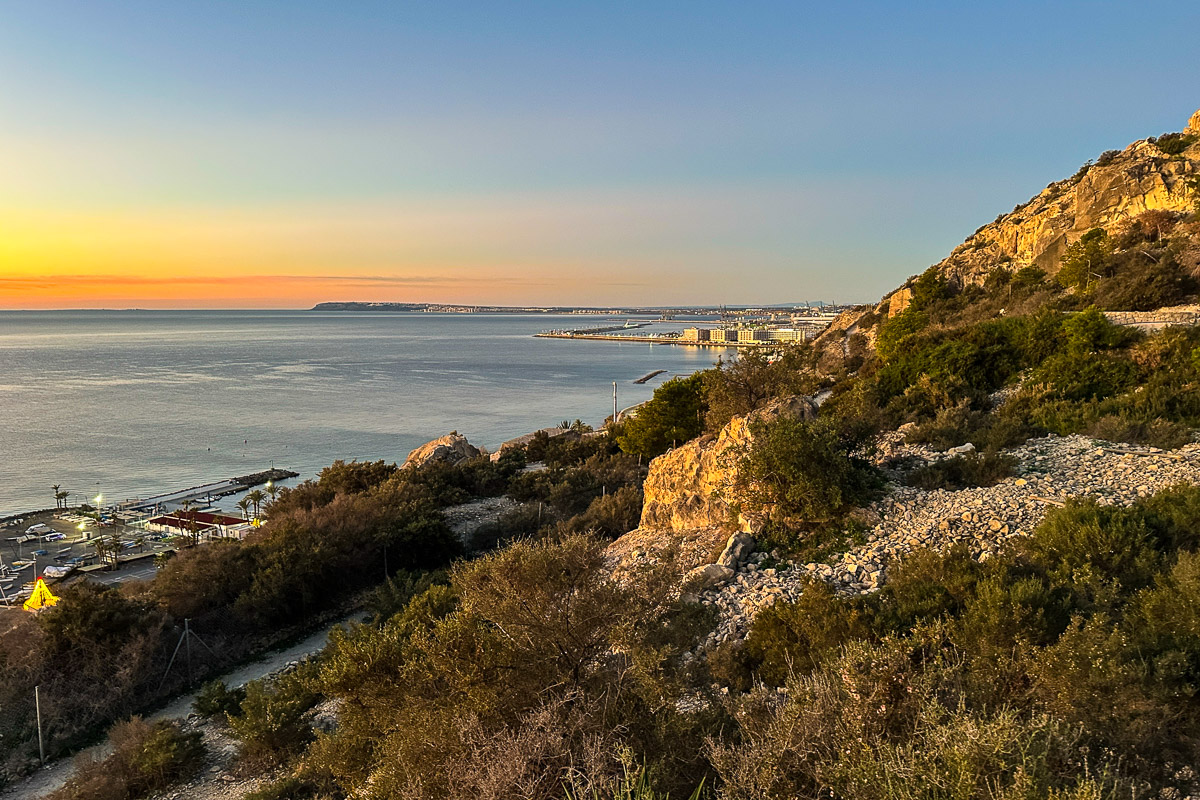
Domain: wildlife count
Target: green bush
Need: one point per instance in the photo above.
(1101, 552)
(272, 723)
(960, 472)
(789, 638)
(1158, 433)
(674, 416)
(801, 470)
(146, 758)
(215, 699)
(1174, 144)
(610, 515)
(394, 594)
(1087, 260)
(757, 376)
(291, 787)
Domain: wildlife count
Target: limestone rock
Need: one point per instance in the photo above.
(1193, 125)
(707, 577)
(692, 485)
(451, 448)
(736, 549)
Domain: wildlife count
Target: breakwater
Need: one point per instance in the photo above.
(208, 491)
(665, 339)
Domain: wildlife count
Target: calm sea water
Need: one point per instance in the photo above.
(137, 403)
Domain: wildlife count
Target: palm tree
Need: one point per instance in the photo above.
(57, 495)
(272, 490)
(256, 497)
(186, 512)
(61, 497)
(244, 505)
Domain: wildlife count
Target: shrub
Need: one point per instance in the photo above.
(1174, 144)
(797, 469)
(146, 758)
(674, 416)
(960, 472)
(951, 426)
(610, 515)
(215, 699)
(1158, 433)
(1100, 552)
(292, 787)
(1144, 283)
(756, 376)
(272, 722)
(393, 595)
(795, 637)
(1086, 260)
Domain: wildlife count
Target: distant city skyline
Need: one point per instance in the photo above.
(256, 155)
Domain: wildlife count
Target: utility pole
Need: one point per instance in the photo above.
(37, 704)
(614, 403)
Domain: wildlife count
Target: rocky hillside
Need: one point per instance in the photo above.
(1150, 174)
(1155, 174)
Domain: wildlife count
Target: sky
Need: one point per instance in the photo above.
(254, 154)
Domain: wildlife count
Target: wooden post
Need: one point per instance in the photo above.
(37, 704)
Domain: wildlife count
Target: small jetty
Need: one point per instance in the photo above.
(569, 333)
(208, 491)
(650, 376)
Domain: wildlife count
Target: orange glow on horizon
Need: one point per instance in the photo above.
(295, 257)
(172, 260)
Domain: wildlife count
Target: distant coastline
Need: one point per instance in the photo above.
(449, 308)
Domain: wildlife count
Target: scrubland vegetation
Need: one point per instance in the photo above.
(517, 664)
(1065, 667)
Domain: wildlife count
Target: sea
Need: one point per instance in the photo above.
(136, 403)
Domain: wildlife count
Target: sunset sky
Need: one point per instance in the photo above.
(257, 154)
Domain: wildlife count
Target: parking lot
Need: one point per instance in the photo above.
(57, 540)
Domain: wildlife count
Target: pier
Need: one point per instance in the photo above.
(208, 491)
(650, 376)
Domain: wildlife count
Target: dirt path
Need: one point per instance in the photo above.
(56, 773)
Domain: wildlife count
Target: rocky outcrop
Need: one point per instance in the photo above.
(451, 448)
(691, 486)
(1117, 188)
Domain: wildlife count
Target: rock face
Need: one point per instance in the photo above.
(690, 486)
(1118, 187)
(451, 448)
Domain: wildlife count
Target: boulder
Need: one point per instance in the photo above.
(739, 546)
(708, 576)
(690, 487)
(1193, 125)
(451, 448)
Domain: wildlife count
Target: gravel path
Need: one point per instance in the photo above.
(56, 773)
